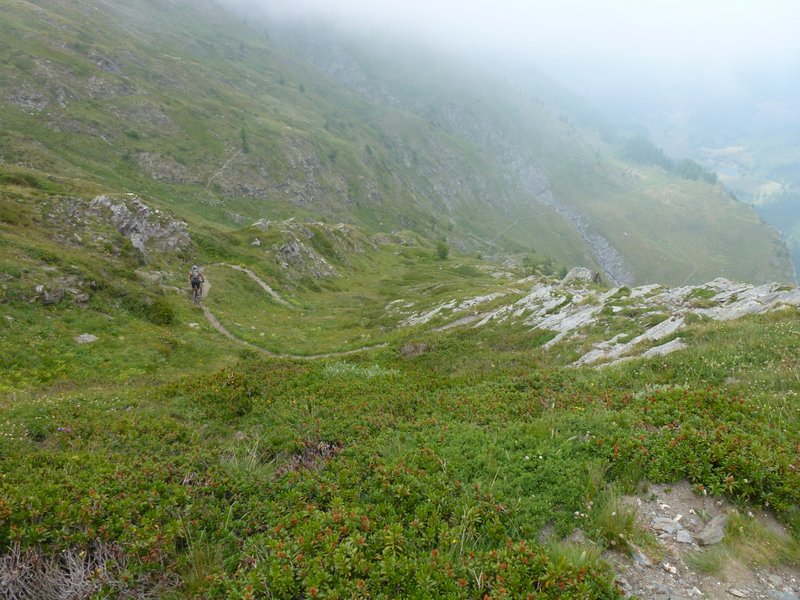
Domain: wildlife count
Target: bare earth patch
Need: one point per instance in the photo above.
(679, 518)
(312, 457)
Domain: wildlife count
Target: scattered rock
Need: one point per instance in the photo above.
(256, 242)
(570, 307)
(782, 595)
(684, 537)
(639, 557)
(54, 297)
(738, 593)
(412, 350)
(664, 524)
(312, 457)
(581, 274)
(86, 338)
(714, 531)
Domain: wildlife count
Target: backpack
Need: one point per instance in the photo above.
(197, 276)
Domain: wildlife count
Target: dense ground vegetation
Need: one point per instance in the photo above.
(428, 468)
(317, 442)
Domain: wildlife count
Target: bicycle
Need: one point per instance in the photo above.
(197, 294)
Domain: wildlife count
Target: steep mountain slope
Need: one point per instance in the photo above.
(202, 112)
(640, 223)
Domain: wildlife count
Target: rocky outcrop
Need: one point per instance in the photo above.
(164, 169)
(314, 249)
(149, 230)
(582, 275)
(570, 309)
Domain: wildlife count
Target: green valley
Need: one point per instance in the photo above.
(452, 344)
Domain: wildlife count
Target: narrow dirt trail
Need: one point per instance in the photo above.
(214, 322)
(222, 169)
(264, 286)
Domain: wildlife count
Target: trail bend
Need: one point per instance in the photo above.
(219, 327)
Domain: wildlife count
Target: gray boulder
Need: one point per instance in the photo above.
(713, 532)
(582, 274)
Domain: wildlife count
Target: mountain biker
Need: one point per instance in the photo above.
(196, 278)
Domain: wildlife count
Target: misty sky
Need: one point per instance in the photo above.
(706, 37)
(632, 59)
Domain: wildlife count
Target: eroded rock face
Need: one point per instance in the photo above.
(571, 308)
(148, 230)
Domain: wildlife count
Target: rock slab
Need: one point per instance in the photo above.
(713, 532)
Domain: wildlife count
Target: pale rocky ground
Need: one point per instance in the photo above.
(676, 516)
(572, 307)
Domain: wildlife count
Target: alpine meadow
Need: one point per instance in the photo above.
(460, 336)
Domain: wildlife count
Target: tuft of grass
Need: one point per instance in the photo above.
(613, 522)
(708, 561)
(758, 544)
(344, 369)
(578, 556)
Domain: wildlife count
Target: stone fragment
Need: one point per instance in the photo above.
(738, 593)
(714, 531)
(664, 524)
(782, 595)
(684, 537)
(86, 338)
(53, 297)
(639, 557)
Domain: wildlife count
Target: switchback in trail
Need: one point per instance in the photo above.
(214, 322)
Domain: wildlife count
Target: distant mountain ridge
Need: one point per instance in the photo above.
(226, 119)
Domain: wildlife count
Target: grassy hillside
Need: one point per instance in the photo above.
(165, 459)
(208, 115)
(537, 134)
(457, 463)
(329, 422)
